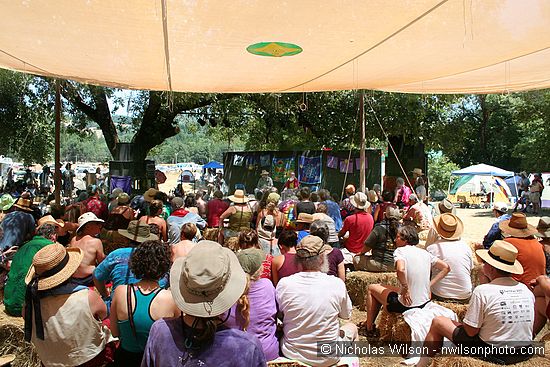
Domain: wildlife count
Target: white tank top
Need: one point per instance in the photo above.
(72, 336)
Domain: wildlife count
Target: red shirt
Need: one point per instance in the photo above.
(359, 226)
(98, 207)
(531, 257)
(216, 207)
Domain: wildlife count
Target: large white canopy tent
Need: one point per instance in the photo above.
(422, 46)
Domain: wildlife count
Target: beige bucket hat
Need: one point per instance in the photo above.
(139, 232)
(502, 255)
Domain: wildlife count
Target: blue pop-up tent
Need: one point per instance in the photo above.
(213, 165)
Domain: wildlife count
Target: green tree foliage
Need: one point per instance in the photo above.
(440, 168)
(26, 118)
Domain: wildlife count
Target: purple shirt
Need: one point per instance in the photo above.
(335, 257)
(231, 348)
(263, 315)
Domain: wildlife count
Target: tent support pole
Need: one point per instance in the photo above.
(362, 152)
(57, 169)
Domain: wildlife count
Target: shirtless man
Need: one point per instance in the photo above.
(201, 204)
(182, 248)
(89, 226)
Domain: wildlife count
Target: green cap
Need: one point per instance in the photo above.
(6, 201)
(251, 259)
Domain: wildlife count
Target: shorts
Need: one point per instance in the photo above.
(460, 337)
(534, 197)
(397, 307)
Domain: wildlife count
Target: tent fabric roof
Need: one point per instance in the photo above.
(213, 165)
(484, 170)
(421, 46)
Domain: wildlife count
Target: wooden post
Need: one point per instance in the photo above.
(57, 172)
(362, 183)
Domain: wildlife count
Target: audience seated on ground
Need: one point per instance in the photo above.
(204, 284)
(285, 265)
(86, 239)
(61, 316)
(457, 284)
(381, 245)
(413, 266)
(335, 258)
(256, 311)
(310, 303)
(500, 313)
(135, 307)
(249, 239)
(188, 236)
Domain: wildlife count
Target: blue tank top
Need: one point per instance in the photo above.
(142, 320)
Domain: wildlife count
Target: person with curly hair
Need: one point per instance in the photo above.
(135, 307)
(249, 239)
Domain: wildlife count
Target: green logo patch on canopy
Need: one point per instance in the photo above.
(274, 49)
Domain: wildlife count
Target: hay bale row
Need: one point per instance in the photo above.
(458, 361)
(476, 272)
(12, 341)
(357, 283)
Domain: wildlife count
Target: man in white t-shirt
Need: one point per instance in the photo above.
(500, 313)
(457, 285)
(311, 303)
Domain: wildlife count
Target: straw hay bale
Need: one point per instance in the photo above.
(476, 272)
(392, 327)
(211, 234)
(459, 309)
(357, 283)
(12, 341)
(458, 361)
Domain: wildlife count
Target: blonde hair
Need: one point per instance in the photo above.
(243, 304)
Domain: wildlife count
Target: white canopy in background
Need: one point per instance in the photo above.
(423, 46)
(484, 170)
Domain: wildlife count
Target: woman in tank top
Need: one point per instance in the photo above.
(239, 214)
(136, 306)
(157, 225)
(284, 265)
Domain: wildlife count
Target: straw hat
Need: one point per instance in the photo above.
(264, 173)
(123, 198)
(87, 218)
(6, 359)
(502, 255)
(350, 189)
(371, 194)
(208, 281)
(48, 219)
(418, 171)
(305, 218)
(445, 206)
(449, 226)
(149, 195)
(138, 232)
(517, 226)
(53, 264)
(23, 204)
(544, 227)
(6, 201)
(311, 246)
(360, 201)
(273, 197)
(239, 197)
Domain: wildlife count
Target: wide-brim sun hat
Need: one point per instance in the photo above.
(305, 218)
(116, 192)
(360, 201)
(138, 232)
(48, 219)
(208, 281)
(54, 264)
(517, 226)
(449, 226)
(23, 204)
(149, 195)
(86, 218)
(445, 206)
(238, 197)
(264, 173)
(6, 202)
(502, 255)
